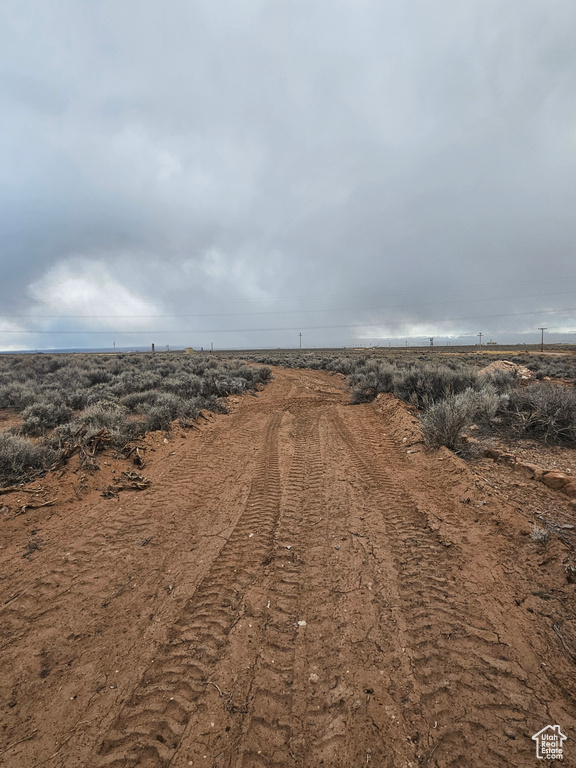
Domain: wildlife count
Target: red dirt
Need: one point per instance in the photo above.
(9, 418)
(166, 627)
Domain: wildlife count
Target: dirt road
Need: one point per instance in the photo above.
(301, 585)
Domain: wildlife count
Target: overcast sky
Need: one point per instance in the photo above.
(357, 170)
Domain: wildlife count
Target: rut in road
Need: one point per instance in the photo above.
(149, 729)
(270, 725)
(453, 648)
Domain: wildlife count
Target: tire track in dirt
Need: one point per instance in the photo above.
(292, 716)
(94, 557)
(451, 646)
(347, 710)
(130, 570)
(270, 726)
(97, 557)
(149, 728)
(90, 561)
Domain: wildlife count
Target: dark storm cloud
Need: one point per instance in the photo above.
(400, 166)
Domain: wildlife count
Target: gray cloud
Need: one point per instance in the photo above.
(400, 166)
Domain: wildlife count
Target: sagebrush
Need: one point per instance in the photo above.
(63, 398)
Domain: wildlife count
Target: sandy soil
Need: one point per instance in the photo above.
(300, 585)
(9, 418)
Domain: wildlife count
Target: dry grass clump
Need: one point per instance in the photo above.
(540, 535)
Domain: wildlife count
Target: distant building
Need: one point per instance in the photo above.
(189, 350)
(492, 343)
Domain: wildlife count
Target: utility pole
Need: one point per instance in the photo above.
(211, 346)
(480, 335)
(542, 339)
(114, 343)
(300, 340)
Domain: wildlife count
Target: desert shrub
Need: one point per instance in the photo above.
(367, 384)
(251, 377)
(77, 399)
(70, 379)
(546, 411)
(40, 417)
(136, 401)
(183, 385)
(338, 365)
(20, 459)
(444, 422)
(426, 385)
(166, 408)
(230, 385)
(99, 393)
(135, 381)
(103, 415)
(264, 374)
(64, 433)
(110, 416)
(561, 367)
(17, 395)
(98, 376)
(216, 404)
(484, 404)
(497, 401)
(215, 385)
(190, 410)
(502, 381)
